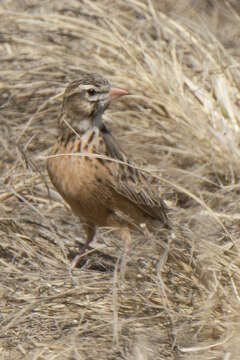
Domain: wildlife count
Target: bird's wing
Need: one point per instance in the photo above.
(112, 148)
(132, 183)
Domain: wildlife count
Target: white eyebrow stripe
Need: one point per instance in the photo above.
(86, 87)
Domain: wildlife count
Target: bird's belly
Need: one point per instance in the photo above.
(79, 180)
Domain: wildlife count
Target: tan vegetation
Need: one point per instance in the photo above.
(175, 295)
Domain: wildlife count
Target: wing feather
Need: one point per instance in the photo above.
(134, 184)
(138, 189)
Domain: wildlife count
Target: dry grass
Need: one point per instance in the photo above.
(174, 299)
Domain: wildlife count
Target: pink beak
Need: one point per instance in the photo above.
(115, 92)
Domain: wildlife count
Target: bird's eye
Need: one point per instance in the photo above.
(91, 92)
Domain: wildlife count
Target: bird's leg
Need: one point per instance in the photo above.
(90, 231)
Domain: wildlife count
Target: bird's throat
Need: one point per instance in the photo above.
(82, 126)
(79, 126)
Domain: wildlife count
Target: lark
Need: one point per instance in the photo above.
(89, 169)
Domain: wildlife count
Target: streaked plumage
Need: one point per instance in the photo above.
(98, 189)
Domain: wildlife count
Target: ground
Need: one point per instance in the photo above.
(175, 294)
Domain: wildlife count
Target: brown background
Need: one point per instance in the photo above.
(178, 297)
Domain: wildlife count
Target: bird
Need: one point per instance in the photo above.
(89, 169)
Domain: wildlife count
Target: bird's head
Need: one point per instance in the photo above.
(87, 98)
